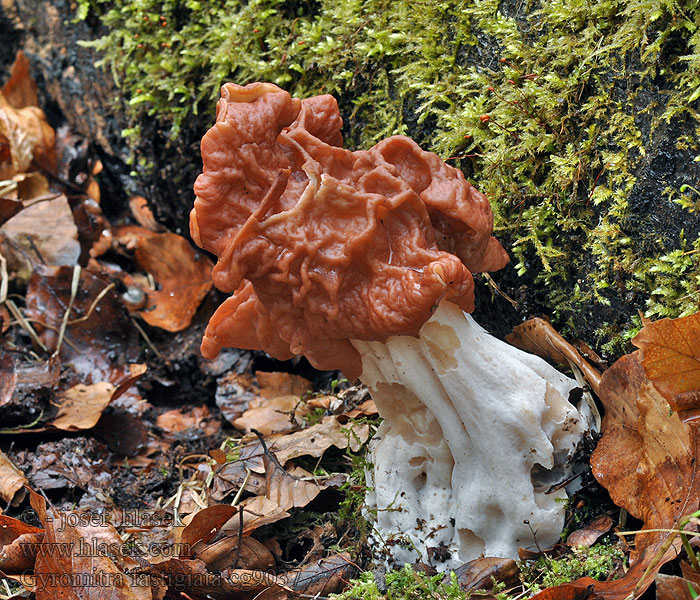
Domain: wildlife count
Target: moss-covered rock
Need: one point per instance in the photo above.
(578, 118)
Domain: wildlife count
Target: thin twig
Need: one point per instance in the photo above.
(238, 495)
(25, 325)
(144, 335)
(75, 284)
(4, 278)
(99, 297)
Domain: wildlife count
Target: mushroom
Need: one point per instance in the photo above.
(362, 261)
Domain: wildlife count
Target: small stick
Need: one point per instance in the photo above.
(75, 284)
(25, 324)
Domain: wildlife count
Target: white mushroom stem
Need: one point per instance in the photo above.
(475, 432)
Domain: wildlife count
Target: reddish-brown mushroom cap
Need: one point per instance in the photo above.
(320, 245)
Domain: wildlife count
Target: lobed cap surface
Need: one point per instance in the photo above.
(320, 245)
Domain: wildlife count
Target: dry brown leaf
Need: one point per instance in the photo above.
(12, 481)
(690, 574)
(81, 406)
(32, 187)
(366, 409)
(175, 420)
(290, 489)
(312, 441)
(272, 415)
(45, 233)
(204, 526)
(588, 535)
(257, 511)
(671, 360)
(184, 277)
(329, 403)
(275, 383)
(321, 578)
(285, 489)
(537, 336)
(231, 476)
(190, 579)
(22, 123)
(227, 553)
(480, 574)
(646, 460)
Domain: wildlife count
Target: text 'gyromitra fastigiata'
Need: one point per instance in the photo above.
(362, 261)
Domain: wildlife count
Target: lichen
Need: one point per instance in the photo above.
(558, 111)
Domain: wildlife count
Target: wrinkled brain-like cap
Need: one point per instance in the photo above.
(320, 245)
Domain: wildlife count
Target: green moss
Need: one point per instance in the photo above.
(551, 111)
(597, 562)
(405, 584)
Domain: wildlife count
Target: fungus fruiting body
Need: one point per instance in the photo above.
(362, 261)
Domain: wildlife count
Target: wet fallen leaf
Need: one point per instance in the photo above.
(123, 432)
(100, 341)
(671, 360)
(672, 587)
(569, 592)
(537, 336)
(234, 393)
(12, 481)
(182, 274)
(588, 535)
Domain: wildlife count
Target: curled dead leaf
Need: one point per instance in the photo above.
(588, 535)
(537, 336)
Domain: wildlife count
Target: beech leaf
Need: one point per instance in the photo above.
(671, 361)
